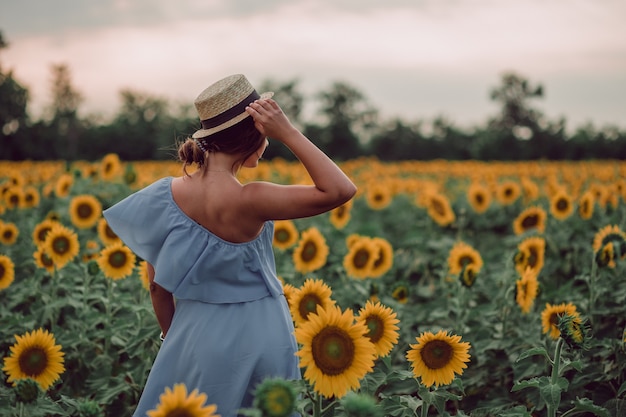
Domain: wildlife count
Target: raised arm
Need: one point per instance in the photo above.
(331, 188)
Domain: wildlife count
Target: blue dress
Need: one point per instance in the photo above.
(231, 327)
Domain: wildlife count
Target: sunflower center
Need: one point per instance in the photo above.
(465, 260)
(381, 259)
(378, 197)
(436, 354)
(45, 260)
(309, 251)
(438, 207)
(361, 257)
(308, 304)
(61, 245)
(84, 211)
(2, 271)
(333, 350)
(341, 211)
(117, 259)
(7, 234)
(376, 328)
(180, 412)
(479, 198)
(41, 236)
(532, 257)
(282, 235)
(530, 221)
(109, 232)
(562, 205)
(33, 361)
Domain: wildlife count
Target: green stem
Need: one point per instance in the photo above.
(317, 405)
(555, 374)
(592, 286)
(425, 407)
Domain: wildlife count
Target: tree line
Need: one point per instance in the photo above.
(346, 126)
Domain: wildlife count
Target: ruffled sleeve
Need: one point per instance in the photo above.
(190, 261)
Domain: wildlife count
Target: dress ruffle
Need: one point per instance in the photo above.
(190, 261)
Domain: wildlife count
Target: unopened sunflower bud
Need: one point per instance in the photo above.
(27, 390)
(275, 397)
(360, 405)
(574, 331)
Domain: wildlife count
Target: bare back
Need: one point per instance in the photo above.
(215, 202)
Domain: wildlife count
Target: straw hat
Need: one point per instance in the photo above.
(223, 104)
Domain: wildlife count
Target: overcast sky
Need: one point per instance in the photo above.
(416, 59)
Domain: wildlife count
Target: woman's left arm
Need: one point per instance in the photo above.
(162, 302)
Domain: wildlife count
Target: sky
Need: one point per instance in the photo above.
(412, 59)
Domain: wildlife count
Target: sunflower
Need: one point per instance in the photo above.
(561, 205)
(551, 315)
(340, 216)
(110, 167)
(311, 252)
(378, 195)
(437, 357)
(285, 234)
(533, 217)
(42, 260)
(117, 261)
(63, 185)
(526, 290)
(529, 189)
(468, 275)
(142, 270)
(609, 233)
(352, 238)
(360, 258)
(384, 262)
(381, 323)
(335, 351)
(508, 192)
(530, 254)
(175, 403)
(7, 272)
(586, 205)
(305, 299)
(8, 233)
(289, 290)
(85, 210)
(14, 197)
(31, 197)
(479, 197)
(401, 293)
(275, 397)
(35, 356)
(462, 255)
(439, 209)
(61, 245)
(105, 233)
(41, 230)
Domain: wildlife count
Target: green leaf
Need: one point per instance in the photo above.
(533, 352)
(518, 411)
(530, 383)
(621, 389)
(551, 393)
(587, 405)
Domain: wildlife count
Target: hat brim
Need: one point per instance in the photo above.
(203, 133)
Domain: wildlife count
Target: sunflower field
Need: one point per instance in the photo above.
(448, 288)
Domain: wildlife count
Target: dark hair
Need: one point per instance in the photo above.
(242, 139)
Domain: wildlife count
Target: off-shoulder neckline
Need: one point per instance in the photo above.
(170, 195)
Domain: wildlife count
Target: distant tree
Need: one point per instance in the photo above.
(141, 129)
(514, 95)
(349, 118)
(65, 125)
(13, 114)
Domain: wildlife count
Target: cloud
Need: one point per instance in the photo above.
(429, 56)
